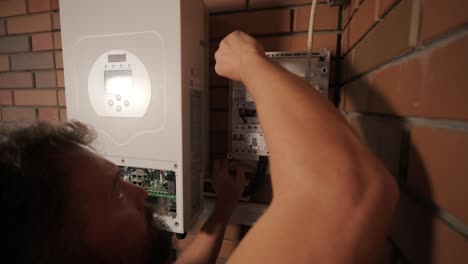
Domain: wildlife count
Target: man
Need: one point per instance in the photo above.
(333, 200)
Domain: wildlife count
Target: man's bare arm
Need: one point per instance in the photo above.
(332, 199)
(207, 244)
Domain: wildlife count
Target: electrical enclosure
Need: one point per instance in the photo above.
(136, 72)
(247, 142)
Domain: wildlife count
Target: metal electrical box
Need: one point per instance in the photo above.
(247, 142)
(136, 72)
(247, 139)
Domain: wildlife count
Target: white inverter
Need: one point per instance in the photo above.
(136, 72)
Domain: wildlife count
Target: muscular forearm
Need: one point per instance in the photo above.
(311, 146)
(205, 248)
(332, 199)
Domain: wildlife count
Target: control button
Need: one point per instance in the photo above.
(111, 103)
(119, 108)
(118, 97)
(126, 103)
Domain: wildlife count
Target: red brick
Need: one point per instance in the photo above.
(256, 22)
(326, 18)
(61, 98)
(219, 121)
(422, 238)
(4, 63)
(383, 137)
(55, 21)
(63, 115)
(2, 27)
(345, 46)
(6, 98)
(42, 41)
(50, 115)
(224, 5)
(28, 24)
(54, 4)
(32, 61)
(219, 142)
(382, 6)
(60, 79)
(16, 80)
(356, 96)
(46, 79)
(437, 167)
(12, 7)
(446, 67)
(440, 17)
(35, 97)
(38, 6)
(58, 60)
(381, 92)
(404, 89)
(216, 80)
(58, 40)
(299, 43)
(391, 37)
(271, 3)
(219, 98)
(19, 114)
(362, 21)
(348, 12)
(14, 44)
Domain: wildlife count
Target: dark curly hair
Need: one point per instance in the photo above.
(38, 222)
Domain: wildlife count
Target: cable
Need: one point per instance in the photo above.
(310, 40)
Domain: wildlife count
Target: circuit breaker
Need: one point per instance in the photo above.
(136, 72)
(247, 141)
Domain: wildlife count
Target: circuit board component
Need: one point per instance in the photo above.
(160, 185)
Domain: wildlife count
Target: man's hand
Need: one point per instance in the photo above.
(205, 248)
(233, 52)
(228, 187)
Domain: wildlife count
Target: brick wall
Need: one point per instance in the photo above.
(404, 89)
(31, 69)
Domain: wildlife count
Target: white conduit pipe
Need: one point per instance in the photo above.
(310, 40)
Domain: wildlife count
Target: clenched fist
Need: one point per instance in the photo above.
(233, 54)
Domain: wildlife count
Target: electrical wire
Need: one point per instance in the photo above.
(310, 40)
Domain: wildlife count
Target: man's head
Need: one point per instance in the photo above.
(62, 203)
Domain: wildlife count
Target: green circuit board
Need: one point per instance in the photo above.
(158, 183)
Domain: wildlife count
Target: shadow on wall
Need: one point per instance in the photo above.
(389, 137)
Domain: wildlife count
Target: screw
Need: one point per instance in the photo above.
(175, 166)
(176, 223)
(123, 161)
